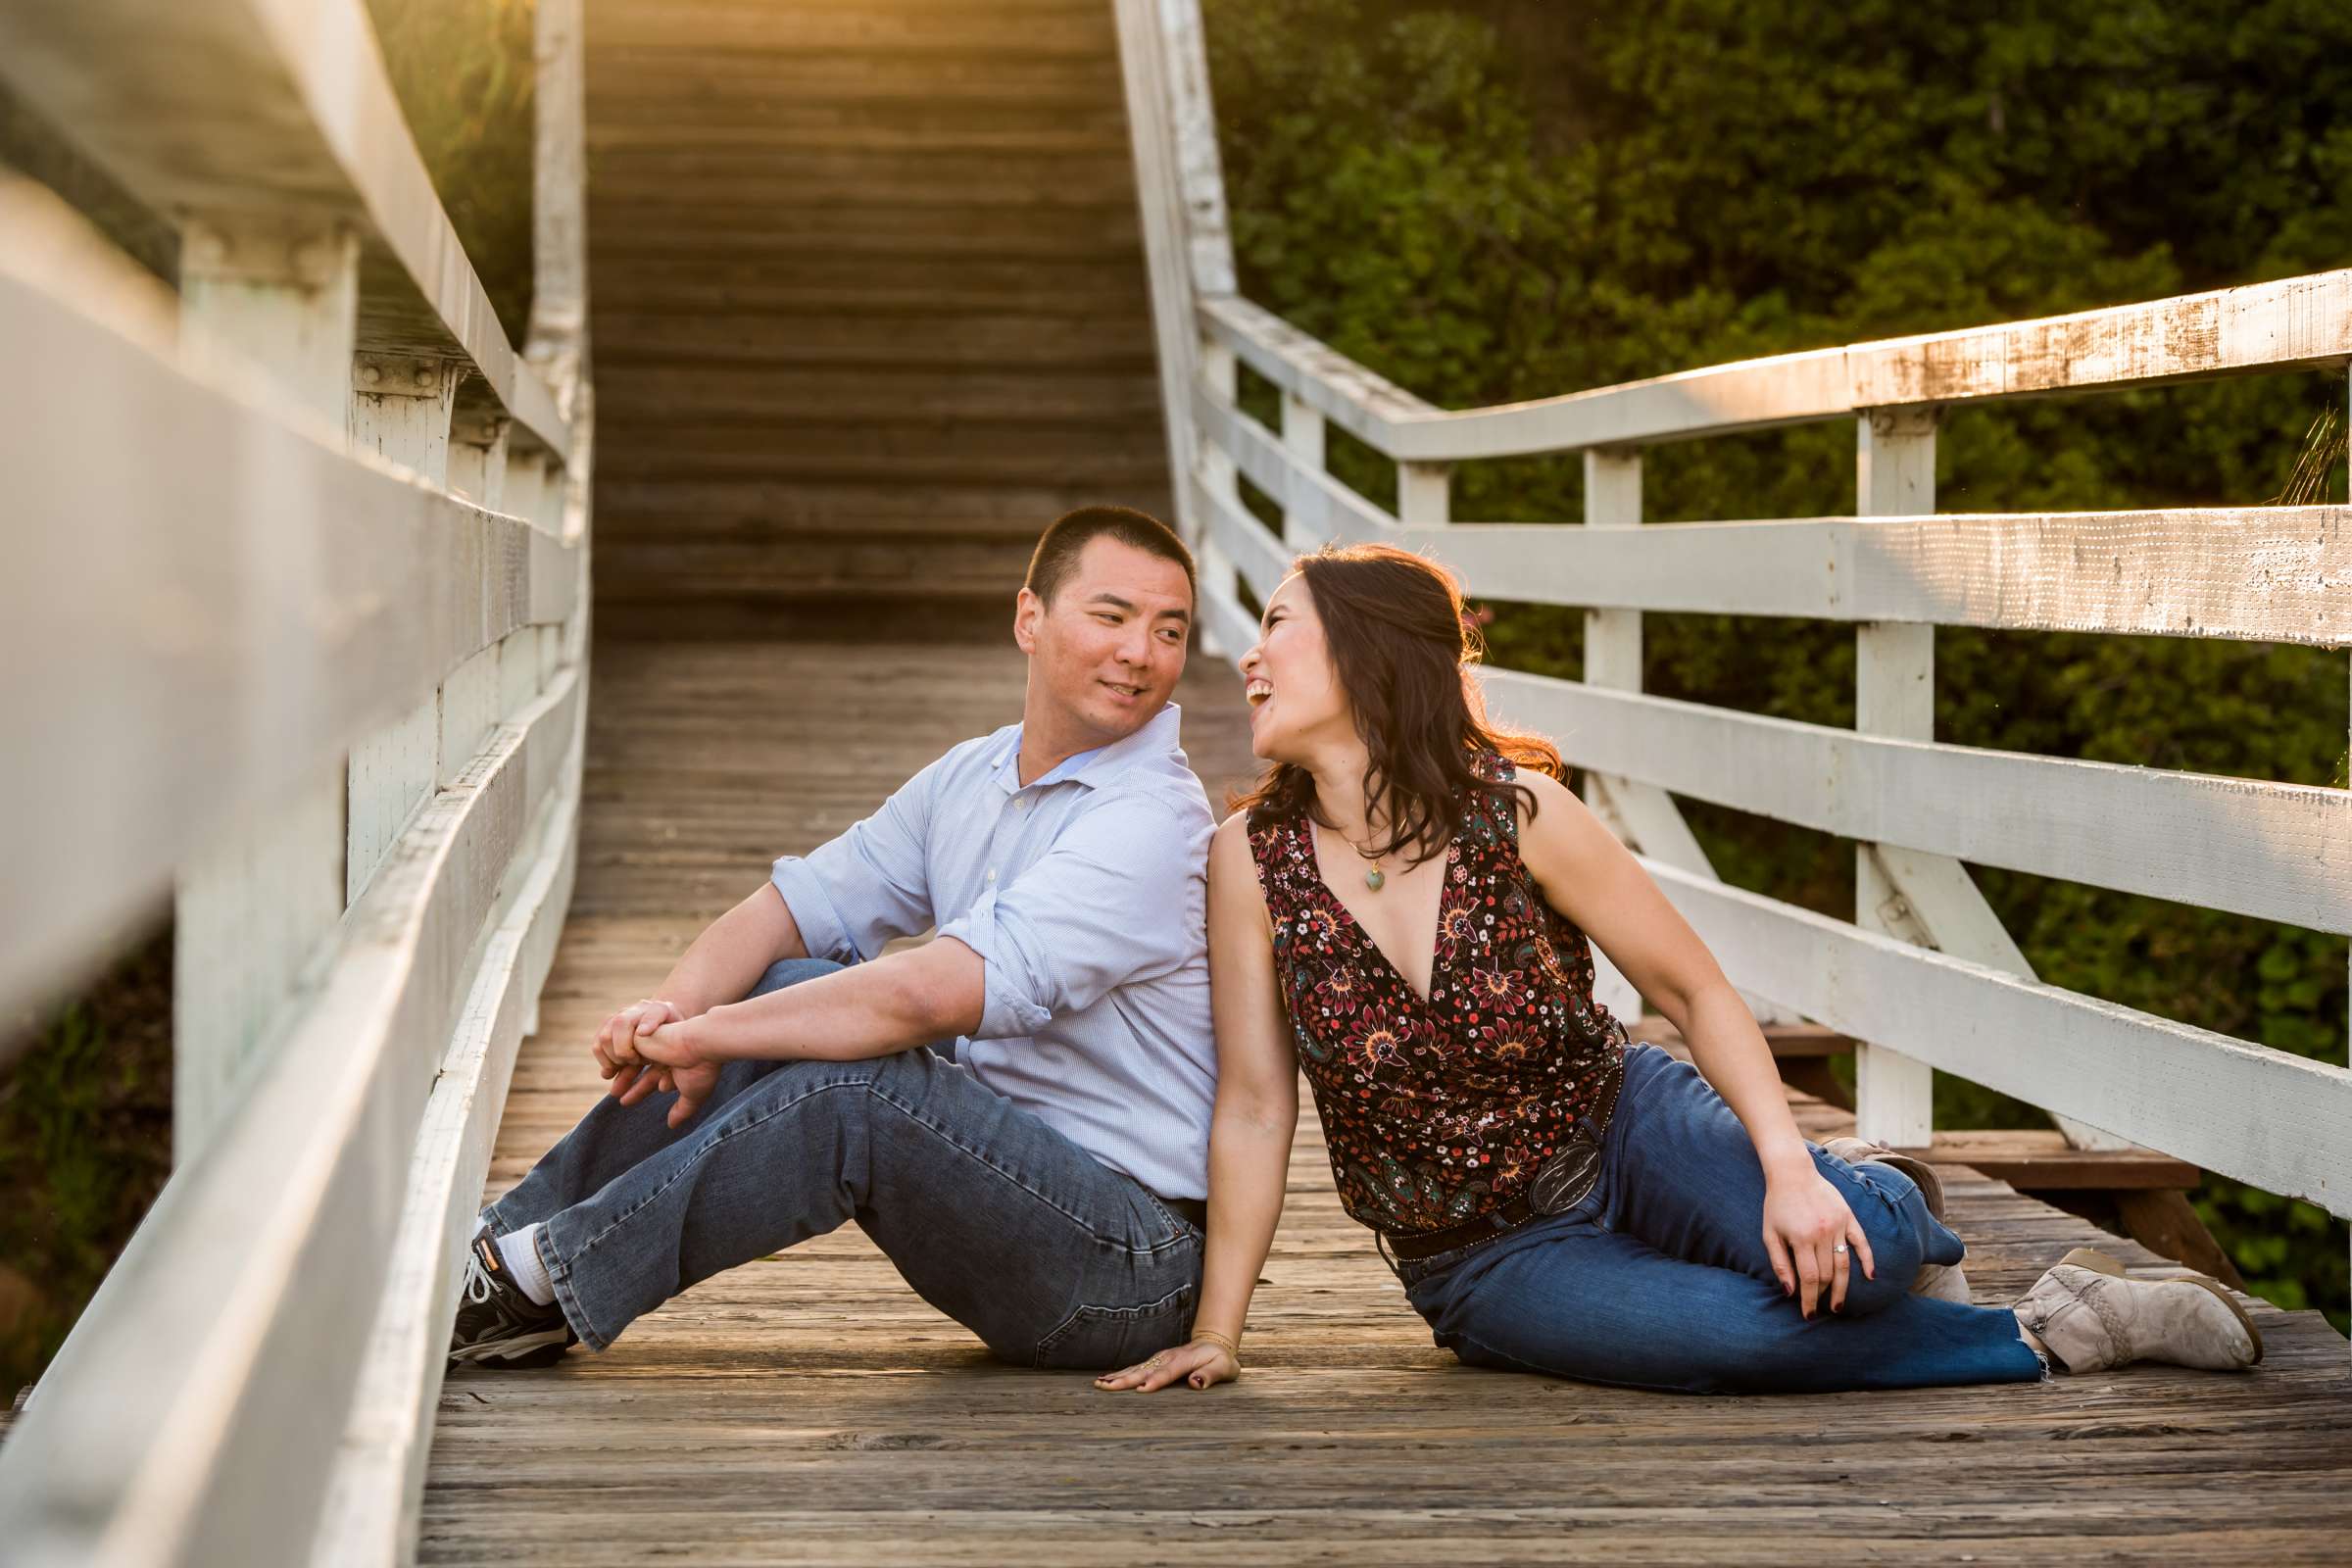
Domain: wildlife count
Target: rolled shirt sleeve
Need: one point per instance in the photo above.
(1121, 897)
(854, 892)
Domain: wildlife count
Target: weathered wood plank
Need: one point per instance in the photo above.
(2278, 852)
(2294, 323)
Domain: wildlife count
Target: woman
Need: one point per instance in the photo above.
(1401, 909)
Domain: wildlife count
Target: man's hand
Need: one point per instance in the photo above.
(629, 1079)
(670, 1053)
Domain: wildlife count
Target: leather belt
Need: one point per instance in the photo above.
(1193, 1211)
(1563, 1183)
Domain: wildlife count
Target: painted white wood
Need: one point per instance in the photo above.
(369, 1517)
(2298, 321)
(399, 411)
(255, 907)
(196, 1411)
(1261, 560)
(2256, 574)
(2276, 1120)
(1303, 441)
(518, 670)
(2275, 852)
(1227, 631)
(1312, 501)
(393, 773)
(1613, 658)
(1894, 694)
(1424, 494)
(1180, 195)
(525, 492)
(277, 109)
(556, 338)
(469, 711)
(477, 458)
(1216, 378)
(272, 602)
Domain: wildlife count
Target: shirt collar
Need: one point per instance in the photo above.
(1096, 767)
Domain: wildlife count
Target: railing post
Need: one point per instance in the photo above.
(1424, 494)
(251, 911)
(1302, 439)
(1220, 375)
(1894, 675)
(399, 411)
(477, 458)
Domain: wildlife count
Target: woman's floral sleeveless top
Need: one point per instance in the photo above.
(1437, 1111)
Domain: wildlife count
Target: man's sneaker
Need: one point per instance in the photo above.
(498, 1325)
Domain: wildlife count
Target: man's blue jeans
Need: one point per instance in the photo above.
(1658, 1278)
(1052, 1258)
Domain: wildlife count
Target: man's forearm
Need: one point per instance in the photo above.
(733, 951)
(910, 998)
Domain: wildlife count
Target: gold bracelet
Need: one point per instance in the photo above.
(1228, 1347)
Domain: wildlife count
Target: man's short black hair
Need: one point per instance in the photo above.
(1068, 534)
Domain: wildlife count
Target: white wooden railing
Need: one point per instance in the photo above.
(297, 557)
(1925, 973)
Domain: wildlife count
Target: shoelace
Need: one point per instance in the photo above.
(478, 1278)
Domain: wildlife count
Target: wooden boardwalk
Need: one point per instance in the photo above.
(811, 1408)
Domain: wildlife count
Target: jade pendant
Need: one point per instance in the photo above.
(1374, 878)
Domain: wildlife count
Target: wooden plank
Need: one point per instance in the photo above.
(2278, 852)
(276, 600)
(2265, 1117)
(1311, 500)
(1894, 695)
(2293, 323)
(292, 115)
(2252, 574)
(195, 1412)
(2042, 1160)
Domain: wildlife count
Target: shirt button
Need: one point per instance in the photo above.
(992, 873)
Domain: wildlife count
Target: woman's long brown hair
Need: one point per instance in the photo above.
(1403, 650)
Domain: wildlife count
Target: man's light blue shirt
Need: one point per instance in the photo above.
(1085, 895)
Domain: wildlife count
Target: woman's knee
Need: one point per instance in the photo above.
(1895, 1220)
(792, 972)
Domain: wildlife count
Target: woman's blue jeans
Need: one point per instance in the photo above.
(1658, 1278)
(1051, 1258)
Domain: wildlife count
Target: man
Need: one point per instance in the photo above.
(1043, 1185)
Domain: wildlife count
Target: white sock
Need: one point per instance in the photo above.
(522, 1262)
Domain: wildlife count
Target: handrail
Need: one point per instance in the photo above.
(2296, 322)
(297, 119)
(334, 704)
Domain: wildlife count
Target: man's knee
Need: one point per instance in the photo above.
(791, 972)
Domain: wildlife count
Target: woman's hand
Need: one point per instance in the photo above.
(1201, 1365)
(1807, 1231)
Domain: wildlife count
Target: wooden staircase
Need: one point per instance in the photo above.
(870, 294)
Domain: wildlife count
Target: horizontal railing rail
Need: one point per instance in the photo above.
(308, 658)
(1897, 570)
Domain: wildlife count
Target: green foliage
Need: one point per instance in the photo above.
(462, 71)
(85, 1143)
(1510, 200)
